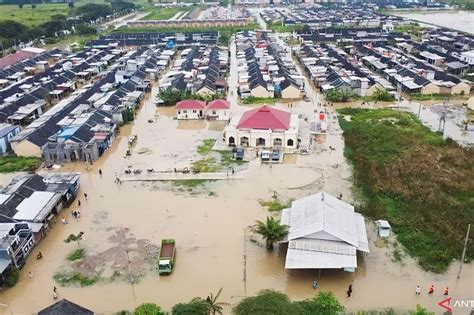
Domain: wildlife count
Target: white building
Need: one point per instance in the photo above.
(468, 57)
(218, 110)
(7, 131)
(190, 109)
(264, 127)
(324, 233)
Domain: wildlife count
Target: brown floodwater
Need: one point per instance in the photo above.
(212, 231)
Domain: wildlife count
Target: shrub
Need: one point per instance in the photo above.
(148, 309)
(12, 277)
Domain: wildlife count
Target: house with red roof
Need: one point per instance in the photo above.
(194, 109)
(190, 109)
(218, 110)
(264, 127)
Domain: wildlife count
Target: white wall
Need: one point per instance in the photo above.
(189, 113)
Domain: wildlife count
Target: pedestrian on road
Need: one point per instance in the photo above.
(233, 171)
(417, 290)
(85, 196)
(100, 172)
(315, 284)
(78, 202)
(446, 291)
(55, 293)
(349, 291)
(30, 274)
(431, 290)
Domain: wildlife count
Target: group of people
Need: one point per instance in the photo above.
(76, 214)
(430, 290)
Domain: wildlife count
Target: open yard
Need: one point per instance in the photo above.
(32, 17)
(410, 176)
(18, 163)
(162, 13)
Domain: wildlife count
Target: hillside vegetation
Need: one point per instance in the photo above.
(412, 177)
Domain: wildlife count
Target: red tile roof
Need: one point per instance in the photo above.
(265, 118)
(191, 104)
(14, 58)
(219, 104)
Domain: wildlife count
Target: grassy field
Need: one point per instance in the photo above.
(258, 100)
(163, 13)
(32, 17)
(277, 27)
(422, 184)
(10, 164)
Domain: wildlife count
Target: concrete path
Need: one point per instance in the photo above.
(168, 176)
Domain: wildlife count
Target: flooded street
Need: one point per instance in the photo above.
(211, 226)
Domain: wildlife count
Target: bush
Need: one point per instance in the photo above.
(382, 95)
(76, 254)
(196, 306)
(148, 309)
(265, 302)
(339, 95)
(12, 277)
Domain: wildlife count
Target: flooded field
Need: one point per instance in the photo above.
(211, 231)
(458, 20)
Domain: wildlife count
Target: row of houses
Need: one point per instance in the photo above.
(265, 69)
(349, 35)
(191, 23)
(82, 126)
(328, 67)
(199, 70)
(409, 74)
(30, 97)
(350, 15)
(159, 39)
(29, 207)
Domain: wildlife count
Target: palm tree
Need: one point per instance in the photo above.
(272, 231)
(214, 306)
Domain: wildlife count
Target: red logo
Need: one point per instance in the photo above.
(446, 304)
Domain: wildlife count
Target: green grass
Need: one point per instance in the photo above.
(275, 204)
(206, 146)
(162, 13)
(32, 17)
(227, 159)
(408, 28)
(258, 100)
(10, 164)
(413, 178)
(439, 97)
(206, 165)
(190, 183)
(76, 254)
(277, 27)
(75, 279)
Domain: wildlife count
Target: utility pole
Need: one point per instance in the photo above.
(464, 250)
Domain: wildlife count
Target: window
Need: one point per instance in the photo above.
(185, 111)
(289, 142)
(179, 112)
(214, 112)
(194, 111)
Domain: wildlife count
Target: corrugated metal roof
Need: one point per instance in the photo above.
(324, 232)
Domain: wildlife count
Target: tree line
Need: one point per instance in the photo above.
(78, 22)
(265, 302)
